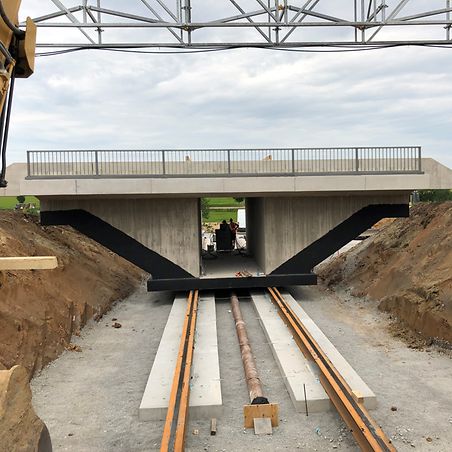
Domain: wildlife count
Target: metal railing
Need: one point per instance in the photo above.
(222, 162)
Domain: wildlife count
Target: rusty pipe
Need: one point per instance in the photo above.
(249, 365)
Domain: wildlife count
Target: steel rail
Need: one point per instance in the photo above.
(173, 437)
(368, 434)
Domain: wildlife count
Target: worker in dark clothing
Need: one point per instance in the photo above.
(233, 226)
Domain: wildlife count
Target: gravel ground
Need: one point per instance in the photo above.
(89, 400)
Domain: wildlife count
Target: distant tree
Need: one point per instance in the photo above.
(435, 195)
(20, 199)
(205, 208)
(240, 199)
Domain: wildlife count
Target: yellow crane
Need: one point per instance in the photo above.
(17, 59)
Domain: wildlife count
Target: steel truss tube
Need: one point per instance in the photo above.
(125, 15)
(156, 14)
(393, 14)
(281, 18)
(239, 16)
(59, 14)
(248, 18)
(99, 19)
(311, 7)
(197, 25)
(73, 19)
(448, 19)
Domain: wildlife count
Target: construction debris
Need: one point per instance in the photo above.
(74, 348)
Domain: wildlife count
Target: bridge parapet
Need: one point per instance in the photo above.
(59, 164)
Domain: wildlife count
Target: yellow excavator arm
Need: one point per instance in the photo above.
(17, 59)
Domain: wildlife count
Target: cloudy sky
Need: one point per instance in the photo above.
(238, 98)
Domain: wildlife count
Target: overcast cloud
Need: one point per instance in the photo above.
(240, 98)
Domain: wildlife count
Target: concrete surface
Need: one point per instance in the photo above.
(354, 381)
(90, 400)
(435, 176)
(166, 226)
(205, 387)
(158, 387)
(296, 371)
(278, 228)
(299, 373)
(227, 265)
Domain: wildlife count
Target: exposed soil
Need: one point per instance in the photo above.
(407, 268)
(41, 310)
(20, 427)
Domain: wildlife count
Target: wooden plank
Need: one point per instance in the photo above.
(28, 263)
(358, 396)
(213, 427)
(251, 412)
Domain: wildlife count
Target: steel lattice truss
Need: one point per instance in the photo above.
(244, 23)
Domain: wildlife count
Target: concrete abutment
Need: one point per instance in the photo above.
(169, 227)
(163, 235)
(281, 227)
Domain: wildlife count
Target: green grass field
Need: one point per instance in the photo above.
(9, 202)
(217, 216)
(225, 202)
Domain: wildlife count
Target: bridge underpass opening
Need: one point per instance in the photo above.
(225, 251)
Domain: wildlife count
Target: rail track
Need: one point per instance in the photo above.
(367, 433)
(173, 438)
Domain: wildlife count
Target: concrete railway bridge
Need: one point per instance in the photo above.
(302, 204)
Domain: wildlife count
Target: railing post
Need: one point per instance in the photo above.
(163, 162)
(229, 161)
(96, 157)
(419, 159)
(356, 159)
(293, 161)
(28, 164)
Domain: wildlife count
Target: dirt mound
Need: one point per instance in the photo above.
(407, 268)
(40, 310)
(20, 427)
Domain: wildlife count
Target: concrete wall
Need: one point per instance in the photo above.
(171, 227)
(440, 176)
(281, 227)
(15, 175)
